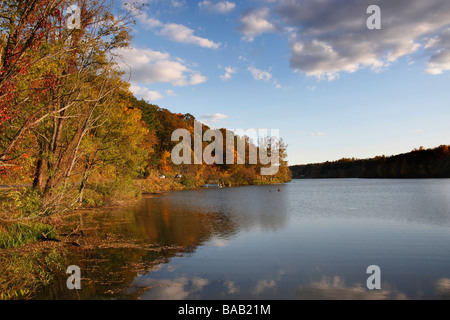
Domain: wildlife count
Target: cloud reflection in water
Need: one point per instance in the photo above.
(334, 288)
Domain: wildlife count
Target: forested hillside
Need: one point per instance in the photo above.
(69, 125)
(420, 163)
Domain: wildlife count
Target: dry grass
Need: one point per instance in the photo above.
(153, 184)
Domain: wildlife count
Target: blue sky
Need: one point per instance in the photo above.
(311, 69)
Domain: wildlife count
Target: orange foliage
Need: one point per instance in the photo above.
(165, 162)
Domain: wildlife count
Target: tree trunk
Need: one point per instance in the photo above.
(38, 175)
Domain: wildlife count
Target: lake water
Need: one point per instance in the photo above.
(309, 239)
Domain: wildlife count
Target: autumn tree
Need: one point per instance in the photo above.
(68, 85)
(116, 150)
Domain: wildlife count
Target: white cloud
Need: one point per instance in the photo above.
(214, 117)
(440, 47)
(317, 134)
(276, 84)
(197, 78)
(148, 22)
(171, 93)
(178, 3)
(229, 71)
(260, 74)
(256, 22)
(183, 34)
(219, 7)
(147, 66)
(137, 4)
(175, 32)
(328, 37)
(145, 93)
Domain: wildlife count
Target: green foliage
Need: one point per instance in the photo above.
(149, 111)
(23, 202)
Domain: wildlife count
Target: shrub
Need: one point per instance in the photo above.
(24, 202)
(189, 182)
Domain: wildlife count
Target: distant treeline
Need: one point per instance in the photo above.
(419, 163)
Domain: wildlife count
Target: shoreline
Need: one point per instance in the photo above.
(47, 255)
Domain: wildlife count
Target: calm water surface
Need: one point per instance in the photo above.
(310, 239)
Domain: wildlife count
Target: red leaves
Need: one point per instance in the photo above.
(24, 71)
(57, 13)
(6, 103)
(50, 82)
(25, 38)
(3, 115)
